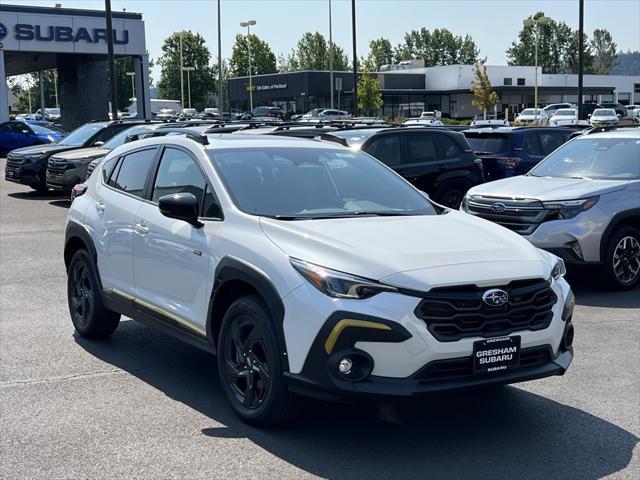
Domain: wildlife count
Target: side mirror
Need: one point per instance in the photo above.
(425, 194)
(98, 144)
(26, 131)
(181, 206)
(589, 115)
(619, 115)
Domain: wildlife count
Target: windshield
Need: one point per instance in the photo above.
(565, 113)
(45, 129)
(604, 112)
(595, 158)
(310, 183)
(355, 138)
(491, 143)
(81, 134)
(530, 111)
(121, 138)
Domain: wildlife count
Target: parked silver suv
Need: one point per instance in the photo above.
(582, 203)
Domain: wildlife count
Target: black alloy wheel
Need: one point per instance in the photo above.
(81, 295)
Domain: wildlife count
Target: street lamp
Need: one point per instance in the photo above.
(534, 22)
(181, 70)
(189, 69)
(133, 84)
(249, 24)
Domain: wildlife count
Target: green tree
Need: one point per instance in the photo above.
(195, 54)
(263, 60)
(380, 53)
(484, 98)
(27, 89)
(123, 81)
(369, 96)
(437, 47)
(557, 47)
(605, 51)
(312, 53)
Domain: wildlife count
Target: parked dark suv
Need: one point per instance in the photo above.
(511, 151)
(435, 160)
(28, 165)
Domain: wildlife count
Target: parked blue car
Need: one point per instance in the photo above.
(25, 133)
(510, 151)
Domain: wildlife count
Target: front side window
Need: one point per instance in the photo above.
(81, 135)
(551, 140)
(601, 158)
(386, 149)
(448, 147)
(530, 144)
(131, 173)
(311, 183)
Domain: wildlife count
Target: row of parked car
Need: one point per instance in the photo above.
(566, 114)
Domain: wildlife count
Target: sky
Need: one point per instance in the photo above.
(493, 24)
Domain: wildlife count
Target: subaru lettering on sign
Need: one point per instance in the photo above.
(27, 32)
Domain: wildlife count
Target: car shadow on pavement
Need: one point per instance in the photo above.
(500, 433)
(590, 293)
(34, 195)
(66, 203)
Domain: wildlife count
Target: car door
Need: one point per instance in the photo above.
(421, 161)
(386, 148)
(119, 195)
(22, 135)
(530, 154)
(173, 266)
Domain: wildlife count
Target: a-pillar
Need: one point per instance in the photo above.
(83, 89)
(4, 91)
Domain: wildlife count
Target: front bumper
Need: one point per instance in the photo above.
(406, 359)
(65, 181)
(23, 175)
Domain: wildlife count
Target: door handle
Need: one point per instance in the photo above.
(141, 229)
(100, 206)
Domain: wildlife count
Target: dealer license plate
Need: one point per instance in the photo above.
(496, 354)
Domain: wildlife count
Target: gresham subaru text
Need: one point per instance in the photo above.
(310, 270)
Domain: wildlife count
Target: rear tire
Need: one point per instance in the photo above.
(249, 365)
(450, 194)
(622, 259)
(90, 317)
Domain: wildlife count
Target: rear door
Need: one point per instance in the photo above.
(118, 198)
(172, 262)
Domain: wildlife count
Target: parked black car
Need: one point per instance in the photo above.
(438, 161)
(28, 165)
(588, 109)
(511, 151)
(618, 107)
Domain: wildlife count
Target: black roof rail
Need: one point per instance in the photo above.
(163, 132)
(324, 136)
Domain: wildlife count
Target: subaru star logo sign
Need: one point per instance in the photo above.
(3, 31)
(495, 297)
(498, 207)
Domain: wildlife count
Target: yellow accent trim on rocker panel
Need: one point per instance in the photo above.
(342, 324)
(159, 310)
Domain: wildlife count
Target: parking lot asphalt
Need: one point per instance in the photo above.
(143, 405)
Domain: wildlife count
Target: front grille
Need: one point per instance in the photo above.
(452, 313)
(454, 368)
(56, 166)
(14, 160)
(522, 216)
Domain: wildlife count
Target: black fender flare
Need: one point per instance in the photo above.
(76, 231)
(231, 269)
(611, 228)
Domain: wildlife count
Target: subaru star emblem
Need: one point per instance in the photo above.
(3, 31)
(495, 297)
(498, 207)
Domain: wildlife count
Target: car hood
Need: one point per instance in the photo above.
(83, 153)
(547, 188)
(41, 149)
(384, 247)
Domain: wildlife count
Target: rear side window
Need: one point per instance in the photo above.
(386, 149)
(492, 143)
(130, 175)
(549, 141)
(421, 148)
(530, 144)
(448, 147)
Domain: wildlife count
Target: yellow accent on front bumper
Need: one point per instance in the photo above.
(342, 324)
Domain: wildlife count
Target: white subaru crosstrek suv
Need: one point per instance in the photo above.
(309, 269)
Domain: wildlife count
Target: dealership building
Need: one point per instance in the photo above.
(409, 89)
(73, 41)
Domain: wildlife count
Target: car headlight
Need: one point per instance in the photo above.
(338, 284)
(559, 269)
(464, 204)
(570, 208)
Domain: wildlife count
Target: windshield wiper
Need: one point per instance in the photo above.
(338, 215)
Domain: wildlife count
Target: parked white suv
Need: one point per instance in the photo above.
(310, 269)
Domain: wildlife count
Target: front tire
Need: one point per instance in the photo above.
(90, 317)
(450, 194)
(622, 260)
(249, 365)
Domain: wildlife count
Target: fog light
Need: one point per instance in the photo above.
(345, 366)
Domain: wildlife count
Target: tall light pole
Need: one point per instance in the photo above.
(181, 70)
(249, 24)
(534, 22)
(55, 87)
(111, 61)
(580, 56)
(188, 70)
(133, 84)
(355, 59)
(330, 56)
(220, 74)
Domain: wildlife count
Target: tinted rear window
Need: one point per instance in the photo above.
(488, 143)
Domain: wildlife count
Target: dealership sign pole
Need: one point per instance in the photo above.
(330, 55)
(112, 63)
